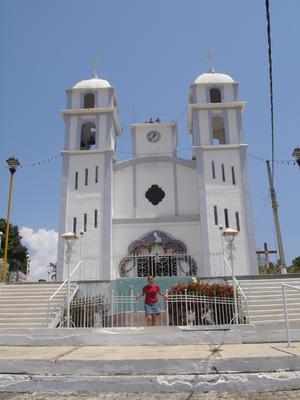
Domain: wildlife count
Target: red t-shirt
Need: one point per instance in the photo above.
(150, 292)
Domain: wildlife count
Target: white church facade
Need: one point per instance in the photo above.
(156, 213)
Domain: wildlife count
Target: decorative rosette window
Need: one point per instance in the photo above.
(157, 254)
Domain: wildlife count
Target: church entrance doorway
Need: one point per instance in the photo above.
(157, 254)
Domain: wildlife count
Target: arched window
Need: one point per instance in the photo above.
(215, 95)
(88, 136)
(218, 131)
(89, 100)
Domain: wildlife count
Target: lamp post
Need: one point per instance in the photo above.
(296, 155)
(12, 164)
(221, 229)
(28, 260)
(230, 235)
(80, 254)
(69, 238)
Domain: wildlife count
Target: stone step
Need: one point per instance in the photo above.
(278, 320)
(30, 294)
(28, 302)
(26, 320)
(22, 325)
(25, 314)
(271, 307)
(265, 300)
(275, 295)
(37, 290)
(267, 279)
(24, 309)
(275, 312)
(27, 305)
(268, 284)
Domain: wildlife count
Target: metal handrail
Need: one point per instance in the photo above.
(285, 308)
(59, 289)
(239, 288)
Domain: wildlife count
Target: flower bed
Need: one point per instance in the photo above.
(201, 303)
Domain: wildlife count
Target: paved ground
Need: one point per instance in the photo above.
(203, 351)
(282, 395)
(173, 364)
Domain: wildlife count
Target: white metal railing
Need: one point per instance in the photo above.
(123, 310)
(239, 290)
(285, 309)
(54, 295)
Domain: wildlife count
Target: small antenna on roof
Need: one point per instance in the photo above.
(95, 62)
(210, 55)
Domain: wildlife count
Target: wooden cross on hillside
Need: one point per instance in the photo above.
(266, 252)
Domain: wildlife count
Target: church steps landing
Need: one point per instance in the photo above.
(26, 305)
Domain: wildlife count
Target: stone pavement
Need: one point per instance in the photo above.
(151, 361)
(279, 395)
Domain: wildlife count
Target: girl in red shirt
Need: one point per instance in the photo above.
(152, 309)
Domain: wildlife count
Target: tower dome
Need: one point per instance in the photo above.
(93, 83)
(213, 77)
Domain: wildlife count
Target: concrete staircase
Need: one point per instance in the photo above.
(265, 301)
(26, 305)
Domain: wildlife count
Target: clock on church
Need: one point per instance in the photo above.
(153, 136)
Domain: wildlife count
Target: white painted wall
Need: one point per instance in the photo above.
(165, 146)
(123, 193)
(188, 202)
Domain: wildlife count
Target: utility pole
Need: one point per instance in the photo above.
(276, 220)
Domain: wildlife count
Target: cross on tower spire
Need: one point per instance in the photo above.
(95, 62)
(210, 55)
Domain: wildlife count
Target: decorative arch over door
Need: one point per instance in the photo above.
(157, 253)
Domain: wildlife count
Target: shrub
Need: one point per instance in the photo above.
(203, 289)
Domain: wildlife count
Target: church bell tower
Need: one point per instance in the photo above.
(91, 126)
(215, 122)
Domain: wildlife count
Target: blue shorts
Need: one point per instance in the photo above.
(152, 308)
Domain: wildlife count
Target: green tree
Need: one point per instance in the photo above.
(17, 253)
(274, 269)
(295, 267)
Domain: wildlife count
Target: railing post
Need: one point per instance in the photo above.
(286, 315)
(216, 311)
(131, 307)
(112, 308)
(186, 305)
(167, 309)
(48, 310)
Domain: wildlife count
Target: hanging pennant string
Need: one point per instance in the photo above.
(39, 163)
(283, 162)
(130, 153)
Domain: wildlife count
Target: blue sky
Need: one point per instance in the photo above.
(150, 51)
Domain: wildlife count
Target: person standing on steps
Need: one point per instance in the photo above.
(152, 310)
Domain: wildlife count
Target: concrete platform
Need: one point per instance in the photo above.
(146, 336)
(149, 360)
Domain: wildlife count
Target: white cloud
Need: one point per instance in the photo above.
(42, 246)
